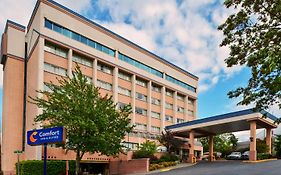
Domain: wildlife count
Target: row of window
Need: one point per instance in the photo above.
(145, 135)
(104, 85)
(73, 35)
(141, 97)
(55, 69)
(104, 68)
(140, 65)
(124, 91)
(141, 82)
(180, 83)
(124, 76)
(55, 50)
(82, 60)
(141, 126)
(70, 34)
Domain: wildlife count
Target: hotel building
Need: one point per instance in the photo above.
(54, 41)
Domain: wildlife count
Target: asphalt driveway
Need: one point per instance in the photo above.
(228, 168)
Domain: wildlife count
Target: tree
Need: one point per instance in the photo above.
(92, 122)
(224, 143)
(171, 142)
(253, 34)
(147, 150)
(277, 145)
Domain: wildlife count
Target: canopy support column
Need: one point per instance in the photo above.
(253, 139)
(191, 147)
(268, 139)
(211, 148)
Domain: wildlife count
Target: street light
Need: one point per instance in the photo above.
(18, 153)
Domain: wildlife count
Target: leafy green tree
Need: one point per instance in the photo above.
(253, 35)
(171, 142)
(92, 122)
(147, 150)
(277, 145)
(224, 143)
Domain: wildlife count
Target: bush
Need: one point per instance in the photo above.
(147, 150)
(262, 156)
(166, 158)
(54, 167)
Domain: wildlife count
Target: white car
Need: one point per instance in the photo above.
(234, 155)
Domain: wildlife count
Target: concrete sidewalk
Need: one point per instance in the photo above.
(180, 165)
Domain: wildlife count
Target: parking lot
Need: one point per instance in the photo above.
(229, 167)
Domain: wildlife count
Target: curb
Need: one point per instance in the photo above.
(259, 161)
(171, 168)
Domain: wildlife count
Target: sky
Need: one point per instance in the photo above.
(183, 32)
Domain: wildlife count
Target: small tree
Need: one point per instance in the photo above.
(277, 145)
(170, 141)
(224, 143)
(92, 122)
(147, 150)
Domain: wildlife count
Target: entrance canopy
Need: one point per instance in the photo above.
(225, 123)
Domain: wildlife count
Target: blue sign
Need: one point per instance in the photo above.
(44, 136)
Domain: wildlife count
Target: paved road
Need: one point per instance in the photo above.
(228, 168)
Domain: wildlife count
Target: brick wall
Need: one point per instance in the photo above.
(129, 166)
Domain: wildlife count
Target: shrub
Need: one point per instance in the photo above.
(262, 156)
(147, 150)
(54, 167)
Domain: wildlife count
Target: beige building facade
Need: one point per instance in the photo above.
(54, 42)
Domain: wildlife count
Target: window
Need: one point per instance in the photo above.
(190, 101)
(140, 126)
(169, 105)
(190, 113)
(124, 91)
(46, 88)
(156, 88)
(104, 68)
(124, 76)
(104, 85)
(180, 83)
(155, 115)
(54, 69)
(179, 120)
(180, 97)
(180, 109)
(141, 82)
(155, 101)
(82, 60)
(140, 65)
(140, 96)
(130, 145)
(121, 105)
(73, 35)
(89, 79)
(169, 93)
(141, 111)
(155, 129)
(169, 118)
(55, 50)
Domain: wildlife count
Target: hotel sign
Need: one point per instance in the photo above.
(45, 136)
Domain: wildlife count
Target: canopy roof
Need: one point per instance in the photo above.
(225, 123)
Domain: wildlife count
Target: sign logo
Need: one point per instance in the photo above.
(31, 138)
(44, 136)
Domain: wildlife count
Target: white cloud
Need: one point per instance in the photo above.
(185, 34)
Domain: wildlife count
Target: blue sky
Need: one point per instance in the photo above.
(181, 31)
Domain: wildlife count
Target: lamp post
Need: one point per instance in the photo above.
(18, 153)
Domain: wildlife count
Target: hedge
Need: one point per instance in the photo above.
(54, 167)
(262, 156)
